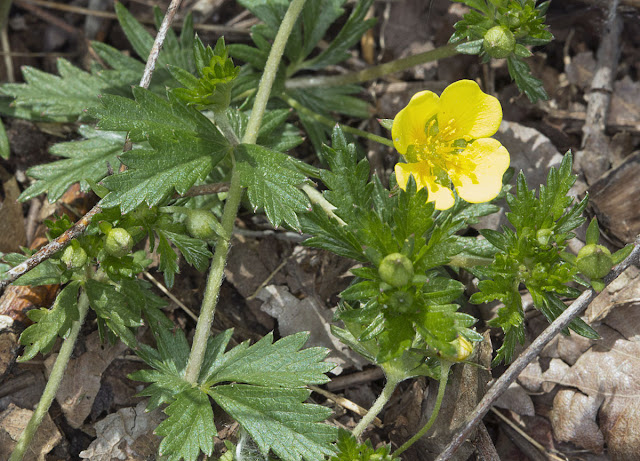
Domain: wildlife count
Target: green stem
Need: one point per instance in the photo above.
(223, 123)
(270, 71)
(374, 72)
(53, 383)
(317, 198)
(216, 273)
(329, 122)
(444, 375)
(377, 406)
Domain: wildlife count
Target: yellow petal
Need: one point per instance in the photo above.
(464, 107)
(443, 196)
(408, 126)
(487, 160)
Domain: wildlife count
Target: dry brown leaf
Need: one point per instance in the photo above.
(516, 399)
(125, 435)
(12, 231)
(13, 421)
(308, 314)
(82, 378)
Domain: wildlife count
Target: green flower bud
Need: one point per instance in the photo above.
(499, 42)
(396, 270)
(543, 236)
(464, 348)
(74, 258)
(119, 242)
(202, 224)
(594, 261)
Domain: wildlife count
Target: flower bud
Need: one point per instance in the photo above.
(119, 242)
(464, 348)
(396, 270)
(499, 42)
(74, 258)
(201, 224)
(594, 261)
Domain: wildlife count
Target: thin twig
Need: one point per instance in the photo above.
(157, 44)
(109, 15)
(50, 249)
(345, 403)
(502, 383)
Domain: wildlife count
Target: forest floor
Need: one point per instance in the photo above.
(579, 400)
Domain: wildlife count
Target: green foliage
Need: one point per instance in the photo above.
(350, 450)
(217, 74)
(4, 142)
(388, 322)
(85, 160)
(530, 254)
(271, 179)
(50, 323)
(312, 25)
(185, 146)
(265, 379)
(521, 20)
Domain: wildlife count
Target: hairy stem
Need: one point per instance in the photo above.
(271, 70)
(216, 273)
(377, 406)
(374, 72)
(54, 381)
(444, 375)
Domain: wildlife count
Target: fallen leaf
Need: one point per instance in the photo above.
(127, 434)
(82, 378)
(12, 423)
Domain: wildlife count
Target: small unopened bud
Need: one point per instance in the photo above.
(464, 348)
(201, 224)
(74, 258)
(396, 270)
(499, 42)
(119, 242)
(594, 261)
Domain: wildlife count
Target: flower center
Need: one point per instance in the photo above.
(441, 149)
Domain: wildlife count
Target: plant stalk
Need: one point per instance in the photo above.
(445, 365)
(377, 406)
(371, 73)
(50, 390)
(216, 273)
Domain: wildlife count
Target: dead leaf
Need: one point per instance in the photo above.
(516, 399)
(13, 421)
(12, 231)
(574, 419)
(82, 378)
(308, 314)
(127, 434)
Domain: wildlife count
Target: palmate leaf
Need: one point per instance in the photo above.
(84, 160)
(271, 179)
(277, 420)
(189, 428)
(266, 363)
(51, 323)
(186, 146)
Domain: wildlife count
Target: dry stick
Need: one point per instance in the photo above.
(594, 159)
(78, 228)
(502, 383)
(110, 15)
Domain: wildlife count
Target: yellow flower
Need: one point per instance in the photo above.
(445, 141)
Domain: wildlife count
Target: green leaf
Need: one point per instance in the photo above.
(119, 313)
(51, 323)
(45, 273)
(350, 450)
(168, 260)
(528, 84)
(4, 142)
(271, 179)
(277, 420)
(348, 36)
(85, 161)
(189, 429)
(186, 147)
(195, 251)
(265, 363)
